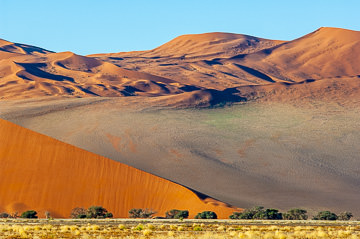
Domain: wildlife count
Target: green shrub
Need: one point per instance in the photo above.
(29, 214)
(96, 212)
(295, 214)
(325, 215)
(206, 215)
(92, 212)
(141, 213)
(177, 214)
(4, 215)
(257, 212)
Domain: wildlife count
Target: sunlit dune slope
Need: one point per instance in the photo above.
(41, 173)
(71, 75)
(215, 44)
(190, 59)
(326, 52)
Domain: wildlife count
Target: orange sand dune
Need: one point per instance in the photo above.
(44, 174)
(219, 44)
(6, 46)
(326, 52)
(71, 75)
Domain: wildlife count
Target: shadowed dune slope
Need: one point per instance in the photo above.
(44, 174)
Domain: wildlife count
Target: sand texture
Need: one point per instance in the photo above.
(44, 174)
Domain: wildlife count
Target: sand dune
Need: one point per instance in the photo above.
(44, 174)
(280, 155)
(71, 75)
(294, 143)
(10, 47)
(324, 53)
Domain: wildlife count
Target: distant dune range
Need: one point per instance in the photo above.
(292, 141)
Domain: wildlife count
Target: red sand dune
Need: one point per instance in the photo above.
(44, 174)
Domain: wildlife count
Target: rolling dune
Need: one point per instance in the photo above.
(44, 174)
(290, 139)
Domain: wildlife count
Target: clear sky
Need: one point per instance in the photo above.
(100, 26)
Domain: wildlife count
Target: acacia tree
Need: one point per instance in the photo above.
(141, 213)
(177, 214)
(295, 214)
(325, 215)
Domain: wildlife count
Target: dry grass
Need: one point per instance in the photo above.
(45, 229)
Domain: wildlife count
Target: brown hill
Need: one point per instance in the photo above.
(44, 174)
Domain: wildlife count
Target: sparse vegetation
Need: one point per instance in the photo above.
(295, 214)
(78, 212)
(206, 215)
(258, 213)
(4, 215)
(165, 229)
(29, 214)
(345, 216)
(97, 212)
(177, 214)
(141, 213)
(325, 215)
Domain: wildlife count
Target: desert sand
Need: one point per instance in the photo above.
(287, 136)
(43, 174)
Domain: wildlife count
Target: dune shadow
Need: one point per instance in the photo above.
(254, 72)
(33, 69)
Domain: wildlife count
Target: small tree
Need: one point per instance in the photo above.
(206, 215)
(273, 214)
(78, 212)
(96, 212)
(29, 214)
(325, 215)
(177, 214)
(4, 215)
(235, 215)
(141, 213)
(295, 214)
(345, 216)
(47, 215)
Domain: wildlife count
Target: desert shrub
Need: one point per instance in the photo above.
(273, 214)
(295, 214)
(206, 215)
(325, 215)
(47, 215)
(78, 212)
(4, 215)
(97, 212)
(177, 214)
(235, 215)
(109, 215)
(345, 216)
(141, 213)
(29, 214)
(257, 212)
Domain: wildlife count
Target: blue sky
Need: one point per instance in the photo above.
(95, 26)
